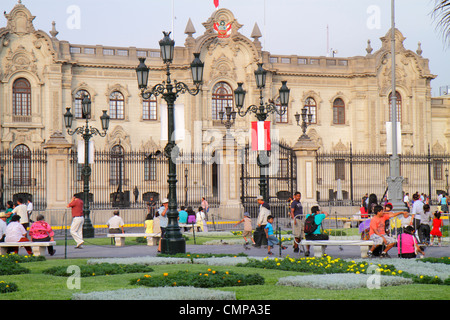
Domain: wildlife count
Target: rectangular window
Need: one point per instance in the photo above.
(338, 115)
(108, 52)
(150, 169)
(437, 169)
(149, 110)
(339, 169)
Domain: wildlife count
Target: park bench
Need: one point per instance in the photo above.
(152, 238)
(188, 226)
(320, 245)
(38, 248)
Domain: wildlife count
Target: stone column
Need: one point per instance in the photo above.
(305, 150)
(58, 164)
(229, 188)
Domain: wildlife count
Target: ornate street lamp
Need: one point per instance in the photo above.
(87, 132)
(306, 121)
(173, 242)
(262, 112)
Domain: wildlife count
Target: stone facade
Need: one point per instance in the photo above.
(351, 95)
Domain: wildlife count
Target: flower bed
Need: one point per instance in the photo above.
(208, 279)
(21, 259)
(416, 270)
(163, 293)
(339, 281)
(100, 269)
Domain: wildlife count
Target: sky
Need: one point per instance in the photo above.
(288, 27)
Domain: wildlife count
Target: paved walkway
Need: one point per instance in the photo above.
(109, 251)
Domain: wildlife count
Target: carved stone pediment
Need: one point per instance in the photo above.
(19, 60)
(20, 20)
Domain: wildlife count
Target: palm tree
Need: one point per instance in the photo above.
(441, 14)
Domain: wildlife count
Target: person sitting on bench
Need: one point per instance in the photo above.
(319, 216)
(377, 231)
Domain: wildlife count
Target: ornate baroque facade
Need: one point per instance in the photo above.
(349, 97)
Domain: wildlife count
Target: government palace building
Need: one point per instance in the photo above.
(348, 99)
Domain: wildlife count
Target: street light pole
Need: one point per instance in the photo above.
(262, 112)
(172, 242)
(87, 132)
(394, 181)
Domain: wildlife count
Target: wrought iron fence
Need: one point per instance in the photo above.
(23, 174)
(129, 179)
(343, 178)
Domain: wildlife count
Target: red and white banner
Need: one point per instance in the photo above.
(216, 3)
(261, 135)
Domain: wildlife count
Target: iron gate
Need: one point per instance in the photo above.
(281, 178)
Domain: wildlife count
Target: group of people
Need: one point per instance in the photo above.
(410, 231)
(264, 234)
(157, 220)
(15, 226)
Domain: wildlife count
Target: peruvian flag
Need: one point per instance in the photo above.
(216, 3)
(260, 135)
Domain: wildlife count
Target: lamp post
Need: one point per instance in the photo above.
(262, 112)
(87, 132)
(305, 123)
(173, 242)
(394, 180)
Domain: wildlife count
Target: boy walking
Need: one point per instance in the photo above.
(247, 228)
(272, 240)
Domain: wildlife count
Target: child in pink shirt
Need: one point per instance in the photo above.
(407, 244)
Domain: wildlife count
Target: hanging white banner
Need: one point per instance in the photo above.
(179, 122)
(81, 147)
(389, 138)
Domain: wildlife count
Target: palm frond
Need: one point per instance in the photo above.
(441, 15)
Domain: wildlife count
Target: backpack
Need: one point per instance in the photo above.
(310, 224)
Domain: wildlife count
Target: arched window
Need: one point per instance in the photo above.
(149, 108)
(117, 168)
(399, 106)
(116, 105)
(281, 118)
(78, 103)
(338, 111)
(222, 96)
(311, 107)
(21, 165)
(21, 97)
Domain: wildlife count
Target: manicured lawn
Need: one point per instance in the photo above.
(39, 286)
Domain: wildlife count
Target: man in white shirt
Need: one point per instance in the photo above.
(417, 211)
(29, 209)
(21, 211)
(15, 232)
(264, 212)
(115, 223)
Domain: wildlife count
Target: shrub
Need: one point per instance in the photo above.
(6, 287)
(100, 269)
(9, 267)
(208, 279)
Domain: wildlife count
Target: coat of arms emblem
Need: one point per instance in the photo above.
(223, 29)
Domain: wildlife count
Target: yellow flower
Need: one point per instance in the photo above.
(226, 272)
(165, 274)
(93, 274)
(209, 270)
